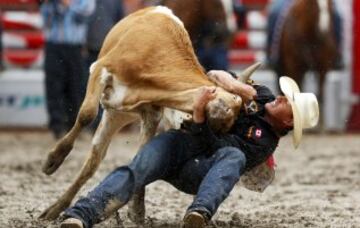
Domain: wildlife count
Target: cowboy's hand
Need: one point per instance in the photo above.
(207, 94)
(226, 81)
(247, 92)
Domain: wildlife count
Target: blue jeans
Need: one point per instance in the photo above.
(175, 157)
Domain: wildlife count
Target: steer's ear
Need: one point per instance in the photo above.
(246, 74)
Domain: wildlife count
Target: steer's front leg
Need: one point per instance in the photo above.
(150, 118)
(111, 122)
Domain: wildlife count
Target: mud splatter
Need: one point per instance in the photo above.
(315, 186)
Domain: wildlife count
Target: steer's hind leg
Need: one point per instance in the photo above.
(63, 147)
(110, 123)
(87, 113)
(150, 118)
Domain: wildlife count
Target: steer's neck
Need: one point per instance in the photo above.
(182, 100)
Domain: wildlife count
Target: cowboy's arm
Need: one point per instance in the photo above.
(201, 128)
(206, 94)
(258, 148)
(228, 82)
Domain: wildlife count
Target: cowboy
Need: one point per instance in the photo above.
(197, 160)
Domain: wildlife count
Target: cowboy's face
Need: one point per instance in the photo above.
(280, 109)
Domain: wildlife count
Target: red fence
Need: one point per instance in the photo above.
(354, 121)
(19, 5)
(249, 42)
(356, 47)
(22, 38)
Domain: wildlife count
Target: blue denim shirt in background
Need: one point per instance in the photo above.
(66, 25)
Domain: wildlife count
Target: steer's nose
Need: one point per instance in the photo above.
(224, 107)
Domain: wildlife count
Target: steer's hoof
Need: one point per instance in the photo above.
(52, 164)
(52, 212)
(56, 157)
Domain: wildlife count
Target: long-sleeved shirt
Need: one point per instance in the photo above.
(107, 13)
(251, 133)
(66, 25)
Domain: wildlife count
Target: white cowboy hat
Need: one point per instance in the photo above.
(305, 107)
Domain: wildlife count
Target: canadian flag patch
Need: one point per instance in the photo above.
(258, 133)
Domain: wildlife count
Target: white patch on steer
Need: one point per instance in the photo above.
(116, 95)
(324, 15)
(119, 93)
(97, 139)
(168, 12)
(104, 75)
(175, 117)
(92, 67)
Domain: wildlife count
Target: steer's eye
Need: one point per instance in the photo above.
(237, 98)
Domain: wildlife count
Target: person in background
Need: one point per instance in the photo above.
(107, 13)
(240, 13)
(65, 25)
(212, 44)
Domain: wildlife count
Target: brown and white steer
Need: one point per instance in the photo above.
(146, 63)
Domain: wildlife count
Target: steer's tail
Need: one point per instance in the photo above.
(87, 113)
(90, 106)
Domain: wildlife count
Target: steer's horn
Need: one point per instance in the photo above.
(246, 74)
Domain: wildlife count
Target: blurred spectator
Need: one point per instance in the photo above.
(65, 24)
(211, 49)
(213, 42)
(107, 13)
(240, 13)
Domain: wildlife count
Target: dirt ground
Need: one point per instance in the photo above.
(316, 186)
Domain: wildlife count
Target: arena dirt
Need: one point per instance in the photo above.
(316, 186)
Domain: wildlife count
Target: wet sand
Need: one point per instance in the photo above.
(316, 186)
